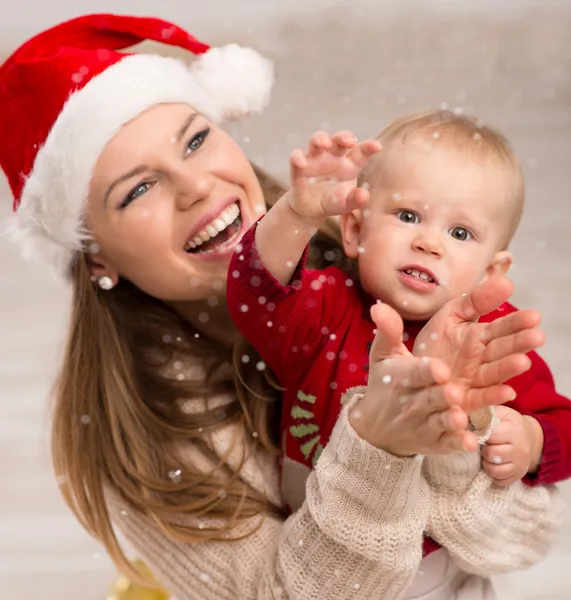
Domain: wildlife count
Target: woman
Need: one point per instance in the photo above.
(165, 422)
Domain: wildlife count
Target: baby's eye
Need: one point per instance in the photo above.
(459, 233)
(407, 216)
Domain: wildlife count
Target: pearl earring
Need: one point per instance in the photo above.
(105, 283)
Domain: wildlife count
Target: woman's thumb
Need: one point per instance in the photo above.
(388, 335)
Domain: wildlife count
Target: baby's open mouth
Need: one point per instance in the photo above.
(420, 274)
(219, 232)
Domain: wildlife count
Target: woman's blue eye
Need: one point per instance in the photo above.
(459, 233)
(407, 216)
(137, 191)
(197, 140)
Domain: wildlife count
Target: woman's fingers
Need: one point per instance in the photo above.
(512, 323)
(477, 398)
(388, 333)
(522, 341)
(485, 298)
(496, 372)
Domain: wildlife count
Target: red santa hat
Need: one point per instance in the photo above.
(66, 92)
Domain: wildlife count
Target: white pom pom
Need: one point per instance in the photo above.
(239, 79)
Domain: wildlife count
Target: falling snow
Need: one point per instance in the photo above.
(175, 476)
(85, 419)
(387, 379)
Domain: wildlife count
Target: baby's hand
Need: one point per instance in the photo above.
(323, 180)
(509, 454)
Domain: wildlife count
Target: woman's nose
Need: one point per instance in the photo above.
(192, 187)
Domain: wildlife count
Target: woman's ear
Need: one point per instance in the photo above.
(351, 232)
(98, 266)
(499, 265)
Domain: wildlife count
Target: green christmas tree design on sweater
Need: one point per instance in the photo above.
(304, 429)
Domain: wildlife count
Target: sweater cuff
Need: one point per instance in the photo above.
(551, 457)
(385, 485)
(452, 471)
(267, 286)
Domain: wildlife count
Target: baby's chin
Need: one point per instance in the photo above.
(416, 310)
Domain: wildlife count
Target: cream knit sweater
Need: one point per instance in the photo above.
(359, 532)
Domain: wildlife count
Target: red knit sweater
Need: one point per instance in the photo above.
(315, 335)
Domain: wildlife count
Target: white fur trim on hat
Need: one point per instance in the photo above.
(223, 83)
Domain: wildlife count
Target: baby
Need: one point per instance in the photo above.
(446, 197)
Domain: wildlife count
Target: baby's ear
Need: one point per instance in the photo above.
(351, 232)
(499, 265)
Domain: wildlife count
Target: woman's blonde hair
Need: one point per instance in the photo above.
(117, 416)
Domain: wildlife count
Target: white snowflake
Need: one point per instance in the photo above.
(175, 476)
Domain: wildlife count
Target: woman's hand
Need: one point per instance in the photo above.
(324, 179)
(410, 406)
(420, 404)
(481, 356)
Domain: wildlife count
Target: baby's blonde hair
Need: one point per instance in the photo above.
(462, 133)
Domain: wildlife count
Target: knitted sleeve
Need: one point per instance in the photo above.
(287, 324)
(489, 529)
(359, 532)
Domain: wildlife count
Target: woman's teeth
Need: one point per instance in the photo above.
(214, 228)
(419, 274)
